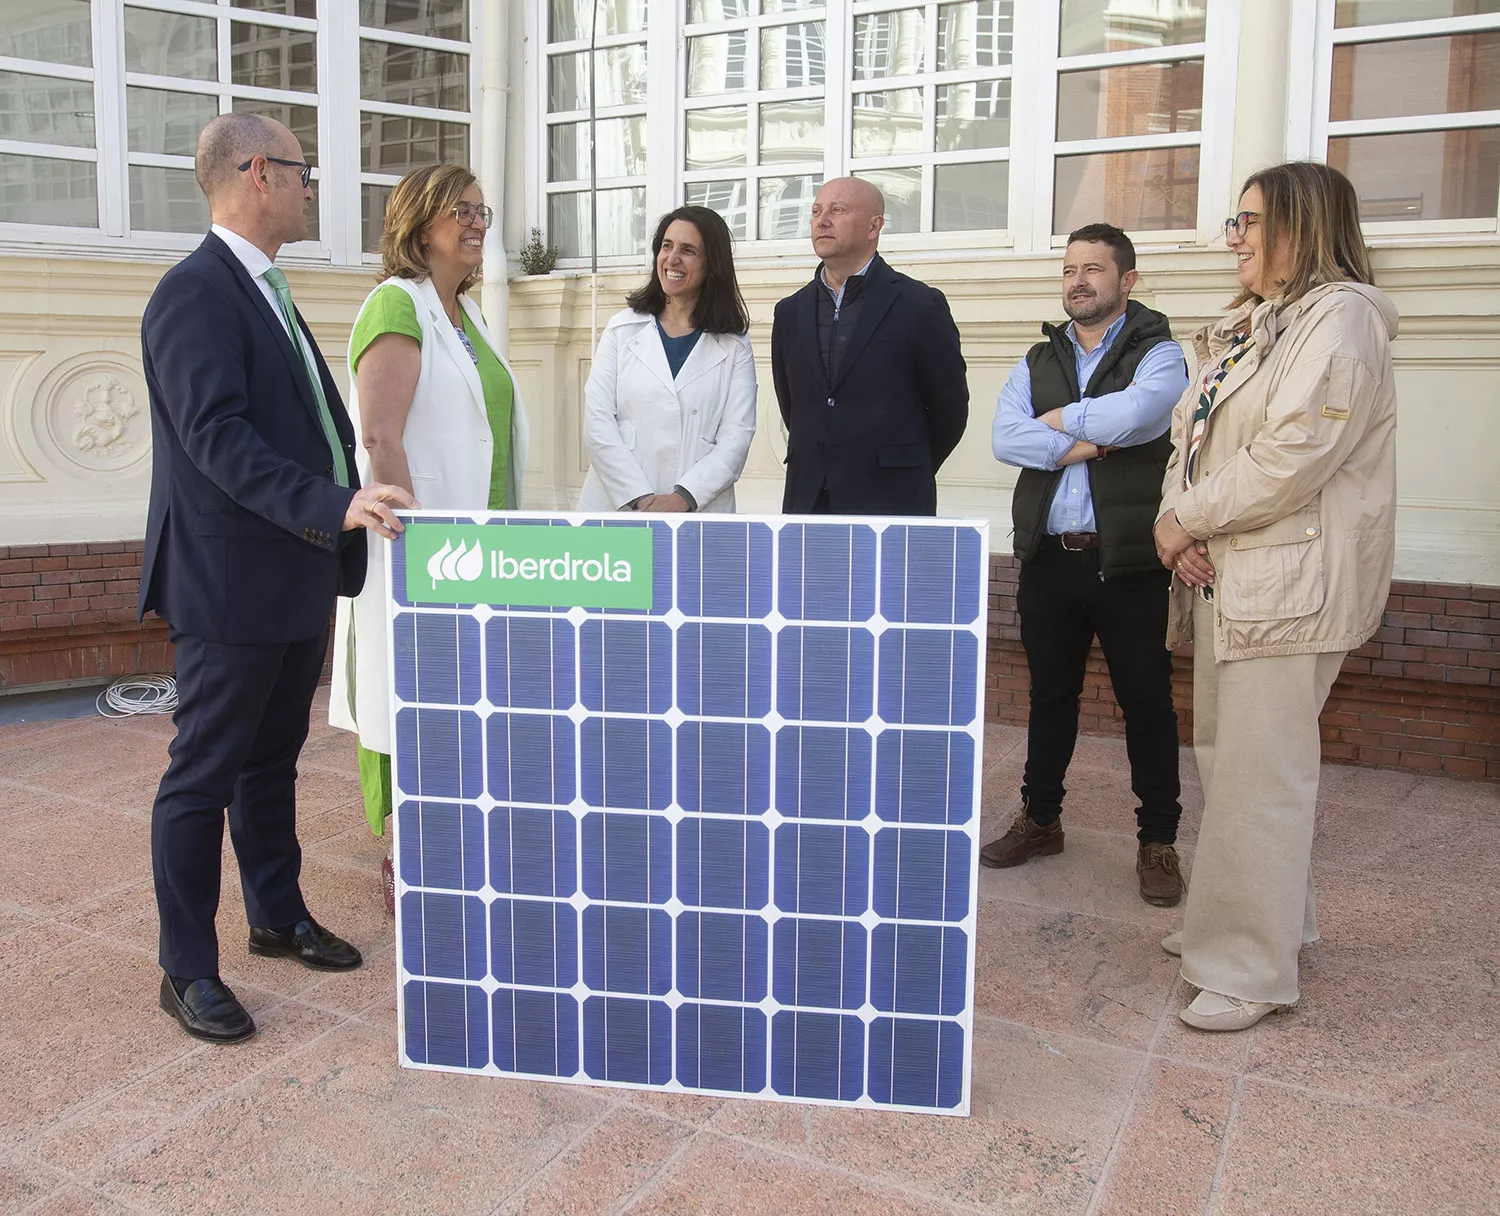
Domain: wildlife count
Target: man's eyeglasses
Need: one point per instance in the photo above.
(467, 213)
(1240, 224)
(305, 168)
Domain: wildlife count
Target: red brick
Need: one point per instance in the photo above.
(68, 550)
(1421, 761)
(1439, 654)
(1468, 608)
(1377, 755)
(1409, 620)
(1471, 675)
(1419, 603)
(1472, 641)
(1424, 671)
(1466, 624)
(1463, 766)
(1338, 751)
(1426, 637)
(85, 561)
(1389, 667)
(15, 565)
(49, 563)
(1484, 658)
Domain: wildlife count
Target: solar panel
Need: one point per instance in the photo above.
(690, 803)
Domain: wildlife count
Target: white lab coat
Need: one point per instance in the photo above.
(448, 447)
(646, 433)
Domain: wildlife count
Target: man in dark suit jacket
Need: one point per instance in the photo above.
(868, 372)
(255, 526)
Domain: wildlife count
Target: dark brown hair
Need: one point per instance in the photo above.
(1107, 234)
(720, 308)
(1311, 211)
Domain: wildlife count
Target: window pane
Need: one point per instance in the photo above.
(788, 6)
(889, 44)
(1138, 191)
(413, 75)
(717, 63)
(391, 143)
(727, 198)
(372, 215)
(271, 58)
(163, 121)
(302, 121)
(619, 72)
(886, 124)
(974, 35)
(287, 8)
(1091, 26)
(570, 18)
(1416, 76)
(786, 206)
(169, 44)
(42, 190)
(1424, 175)
(973, 115)
(45, 110)
(1347, 13)
(1142, 99)
(56, 31)
(791, 131)
(903, 197)
(717, 10)
(716, 137)
(622, 223)
(966, 197)
(621, 144)
(166, 200)
(433, 18)
(791, 56)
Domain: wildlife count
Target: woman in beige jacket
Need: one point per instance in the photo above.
(1278, 522)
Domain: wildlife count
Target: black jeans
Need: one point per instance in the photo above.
(1064, 605)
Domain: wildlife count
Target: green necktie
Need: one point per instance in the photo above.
(277, 280)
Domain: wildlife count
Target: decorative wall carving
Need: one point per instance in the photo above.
(105, 431)
(89, 416)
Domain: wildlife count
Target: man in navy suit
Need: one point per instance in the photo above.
(256, 524)
(868, 372)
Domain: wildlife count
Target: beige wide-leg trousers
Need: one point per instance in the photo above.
(1250, 904)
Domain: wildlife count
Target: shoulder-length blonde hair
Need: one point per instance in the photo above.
(418, 199)
(1311, 211)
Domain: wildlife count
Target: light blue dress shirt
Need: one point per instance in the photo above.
(1136, 414)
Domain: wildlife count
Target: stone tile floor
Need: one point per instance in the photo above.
(1379, 1094)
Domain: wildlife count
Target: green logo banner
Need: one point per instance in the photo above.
(528, 565)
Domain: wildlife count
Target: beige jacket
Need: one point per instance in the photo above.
(1296, 485)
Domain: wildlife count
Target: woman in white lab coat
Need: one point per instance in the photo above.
(669, 410)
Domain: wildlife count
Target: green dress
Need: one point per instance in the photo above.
(390, 310)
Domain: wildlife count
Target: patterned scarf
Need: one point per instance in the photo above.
(1238, 345)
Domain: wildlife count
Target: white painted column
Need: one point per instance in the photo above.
(494, 93)
(1260, 107)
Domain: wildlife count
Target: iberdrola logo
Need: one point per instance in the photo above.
(449, 564)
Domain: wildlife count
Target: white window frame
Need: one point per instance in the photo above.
(1310, 93)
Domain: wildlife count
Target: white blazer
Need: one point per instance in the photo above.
(448, 449)
(646, 433)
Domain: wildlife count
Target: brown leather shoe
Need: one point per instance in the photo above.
(1160, 875)
(1022, 842)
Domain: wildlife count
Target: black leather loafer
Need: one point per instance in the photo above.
(207, 1009)
(309, 943)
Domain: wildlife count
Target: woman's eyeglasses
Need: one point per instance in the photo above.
(303, 166)
(467, 213)
(1239, 224)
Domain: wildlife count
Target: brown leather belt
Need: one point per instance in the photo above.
(1076, 542)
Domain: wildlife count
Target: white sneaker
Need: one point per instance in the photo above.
(1172, 944)
(1215, 1011)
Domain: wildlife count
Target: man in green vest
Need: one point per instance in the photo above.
(1087, 418)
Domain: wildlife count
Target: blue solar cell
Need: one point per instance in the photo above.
(823, 772)
(721, 957)
(627, 762)
(822, 869)
(442, 936)
(928, 677)
(627, 858)
(724, 568)
(442, 845)
(922, 874)
(446, 1024)
(625, 666)
(723, 768)
(530, 758)
(533, 851)
(627, 949)
(722, 863)
(817, 1055)
(724, 670)
(916, 1063)
(529, 663)
(721, 1047)
(924, 776)
(449, 674)
(627, 1040)
(535, 1032)
(819, 962)
(826, 572)
(448, 751)
(825, 674)
(534, 941)
(918, 968)
(930, 575)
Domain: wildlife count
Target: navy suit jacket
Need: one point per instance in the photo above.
(898, 406)
(243, 537)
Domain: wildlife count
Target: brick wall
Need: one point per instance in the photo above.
(1422, 695)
